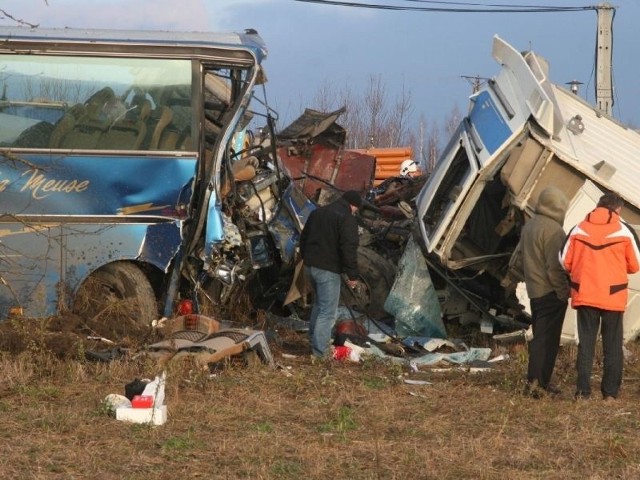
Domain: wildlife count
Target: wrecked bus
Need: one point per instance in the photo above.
(117, 155)
(521, 134)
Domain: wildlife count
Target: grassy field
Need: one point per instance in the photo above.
(331, 420)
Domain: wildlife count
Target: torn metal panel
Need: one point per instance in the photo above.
(317, 166)
(161, 244)
(354, 171)
(319, 126)
(312, 153)
(287, 224)
(602, 140)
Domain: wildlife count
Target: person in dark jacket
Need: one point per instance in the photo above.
(547, 285)
(599, 253)
(329, 244)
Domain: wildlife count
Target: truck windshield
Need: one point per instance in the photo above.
(447, 192)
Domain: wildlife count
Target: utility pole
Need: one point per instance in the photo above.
(604, 89)
(475, 81)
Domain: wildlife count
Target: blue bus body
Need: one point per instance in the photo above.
(113, 150)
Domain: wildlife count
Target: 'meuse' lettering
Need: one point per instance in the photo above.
(41, 187)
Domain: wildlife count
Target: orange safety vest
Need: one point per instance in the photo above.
(598, 254)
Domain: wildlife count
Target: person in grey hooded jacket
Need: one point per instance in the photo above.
(547, 284)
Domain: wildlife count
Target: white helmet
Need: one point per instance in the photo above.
(407, 167)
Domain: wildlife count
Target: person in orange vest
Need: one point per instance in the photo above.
(598, 254)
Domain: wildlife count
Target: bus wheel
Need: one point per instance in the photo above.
(117, 300)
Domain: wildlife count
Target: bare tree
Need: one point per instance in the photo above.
(371, 121)
(6, 15)
(353, 119)
(452, 121)
(433, 147)
(325, 100)
(399, 118)
(420, 152)
(374, 102)
(55, 89)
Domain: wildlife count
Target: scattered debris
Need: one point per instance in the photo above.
(349, 351)
(466, 356)
(144, 407)
(410, 381)
(153, 416)
(203, 339)
(113, 401)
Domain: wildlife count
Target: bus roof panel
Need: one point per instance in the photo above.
(247, 40)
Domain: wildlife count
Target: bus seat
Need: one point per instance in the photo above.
(164, 117)
(128, 129)
(169, 139)
(90, 126)
(186, 143)
(65, 124)
(174, 139)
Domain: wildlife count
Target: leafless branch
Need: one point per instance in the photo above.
(17, 159)
(5, 14)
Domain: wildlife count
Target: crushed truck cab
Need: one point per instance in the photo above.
(522, 134)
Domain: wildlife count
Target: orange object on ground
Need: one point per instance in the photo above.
(142, 401)
(341, 353)
(388, 161)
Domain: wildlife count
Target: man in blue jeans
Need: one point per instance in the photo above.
(329, 246)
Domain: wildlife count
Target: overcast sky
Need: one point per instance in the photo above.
(428, 54)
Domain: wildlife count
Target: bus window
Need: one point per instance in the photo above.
(94, 103)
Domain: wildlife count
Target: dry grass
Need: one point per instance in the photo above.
(327, 421)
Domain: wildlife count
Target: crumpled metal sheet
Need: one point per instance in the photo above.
(318, 166)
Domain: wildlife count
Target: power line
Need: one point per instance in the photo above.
(490, 5)
(488, 8)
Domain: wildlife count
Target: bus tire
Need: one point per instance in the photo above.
(117, 300)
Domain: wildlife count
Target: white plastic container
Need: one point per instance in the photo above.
(154, 416)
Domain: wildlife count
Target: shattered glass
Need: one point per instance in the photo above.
(413, 300)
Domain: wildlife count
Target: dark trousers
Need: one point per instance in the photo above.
(610, 324)
(547, 315)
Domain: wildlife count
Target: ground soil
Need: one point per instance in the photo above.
(302, 419)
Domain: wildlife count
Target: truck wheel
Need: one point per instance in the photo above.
(117, 300)
(377, 275)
